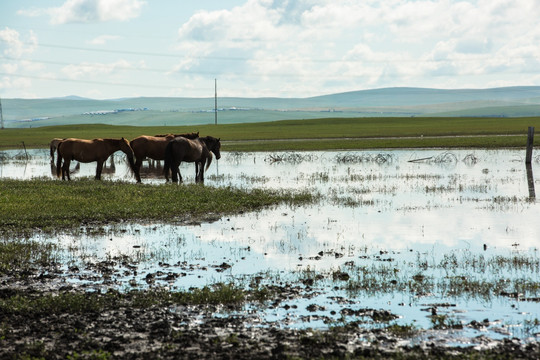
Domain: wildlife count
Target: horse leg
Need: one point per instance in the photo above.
(99, 169)
(178, 171)
(201, 171)
(175, 171)
(138, 164)
(65, 169)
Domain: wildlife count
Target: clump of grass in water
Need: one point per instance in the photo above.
(443, 322)
(364, 158)
(80, 302)
(18, 258)
(294, 158)
(402, 330)
(466, 276)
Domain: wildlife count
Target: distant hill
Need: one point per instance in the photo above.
(399, 101)
(402, 96)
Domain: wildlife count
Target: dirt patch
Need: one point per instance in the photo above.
(121, 327)
(159, 333)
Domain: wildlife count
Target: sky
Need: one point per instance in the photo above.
(107, 49)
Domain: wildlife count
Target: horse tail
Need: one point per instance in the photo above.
(168, 159)
(210, 157)
(58, 160)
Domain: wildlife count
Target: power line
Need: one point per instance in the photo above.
(168, 72)
(295, 60)
(93, 82)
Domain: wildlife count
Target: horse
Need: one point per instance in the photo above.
(191, 136)
(197, 151)
(53, 145)
(87, 151)
(153, 147)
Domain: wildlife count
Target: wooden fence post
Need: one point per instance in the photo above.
(528, 159)
(530, 140)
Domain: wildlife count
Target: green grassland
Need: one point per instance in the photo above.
(51, 205)
(321, 134)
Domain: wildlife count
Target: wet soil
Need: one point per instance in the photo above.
(127, 329)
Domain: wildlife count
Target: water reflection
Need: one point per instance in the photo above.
(152, 170)
(376, 208)
(530, 181)
(73, 171)
(396, 199)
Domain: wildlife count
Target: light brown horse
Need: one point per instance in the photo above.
(89, 151)
(53, 145)
(197, 151)
(153, 147)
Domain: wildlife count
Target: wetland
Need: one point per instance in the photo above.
(394, 253)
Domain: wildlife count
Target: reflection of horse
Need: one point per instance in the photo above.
(197, 151)
(111, 169)
(71, 172)
(154, 170)
(89, 151)
(153, 147)
(53, 145)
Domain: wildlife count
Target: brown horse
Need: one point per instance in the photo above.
(153, 147)
(89, 151)
(53, 146)
(197, 151)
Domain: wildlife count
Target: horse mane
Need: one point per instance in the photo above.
(210, 157)
(209, 139)
(54, 145)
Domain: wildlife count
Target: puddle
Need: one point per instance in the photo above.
(395, 230)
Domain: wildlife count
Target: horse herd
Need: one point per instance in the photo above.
(172, 148)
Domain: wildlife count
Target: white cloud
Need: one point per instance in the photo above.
(355, 44)
(303, 47)
(91, 70)
(12, 45)
(32, 12)
(90, 11)
(11, 83)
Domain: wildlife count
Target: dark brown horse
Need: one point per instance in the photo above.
(89, 151)
(192, 135)
(197, 151)
(153, 147)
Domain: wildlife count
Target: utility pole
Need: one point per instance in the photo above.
(1, 116)
(215, 101)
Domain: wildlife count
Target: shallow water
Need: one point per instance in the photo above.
(397, 213)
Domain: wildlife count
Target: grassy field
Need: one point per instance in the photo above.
(52, 205)
(321, 134)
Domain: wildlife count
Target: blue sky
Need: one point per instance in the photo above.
(107, 49)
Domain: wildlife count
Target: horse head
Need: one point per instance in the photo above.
(126, 149)
(214, 145)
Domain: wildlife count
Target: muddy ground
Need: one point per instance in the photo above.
(128, 330)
